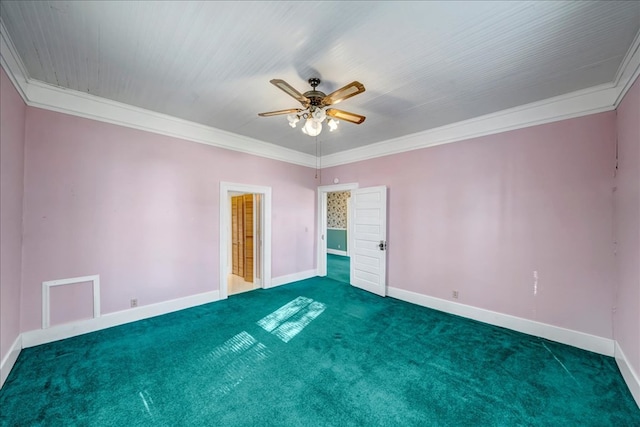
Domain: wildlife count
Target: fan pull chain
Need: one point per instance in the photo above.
(318, 160)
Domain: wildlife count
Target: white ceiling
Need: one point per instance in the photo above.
(424, 64)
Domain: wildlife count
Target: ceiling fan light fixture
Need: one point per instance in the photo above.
(293, 119)
(318, 114)
(333, 125)
(312, 127)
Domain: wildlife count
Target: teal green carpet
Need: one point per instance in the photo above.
(338, 268)
(313, 353)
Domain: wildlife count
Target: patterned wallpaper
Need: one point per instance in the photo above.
(337, 209)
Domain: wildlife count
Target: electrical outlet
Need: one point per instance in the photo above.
(455, 294)
(338, 246)
(134, 302)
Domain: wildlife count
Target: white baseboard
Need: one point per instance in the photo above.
(554, 333)
(10, 359)
(628, 373)
(577, 339)
(336, 252)
(55, 333)
(289, 278)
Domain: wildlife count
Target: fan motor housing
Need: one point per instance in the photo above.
(315, 96)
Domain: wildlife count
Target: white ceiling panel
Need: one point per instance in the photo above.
(424, 64)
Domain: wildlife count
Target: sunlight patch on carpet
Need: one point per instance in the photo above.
(148, 403)
(290, 319)
(234, 360)
(561, 364)
(275, 319)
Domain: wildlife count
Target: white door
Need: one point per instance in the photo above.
(369, 244)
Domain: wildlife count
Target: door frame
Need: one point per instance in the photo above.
(321, 245)
(225, 232)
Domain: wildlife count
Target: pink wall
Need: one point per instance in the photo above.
(142, 210)
(627, 227)
(480, 216)
(12, 120)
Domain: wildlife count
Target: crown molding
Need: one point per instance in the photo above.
(589, 101)
(629, 70)
(592, 100)
(12, 63)
(76, 103)
(42, 95)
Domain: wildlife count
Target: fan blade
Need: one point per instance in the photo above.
(345, 115)
(352, 89)
(286, 87)
(279, 112)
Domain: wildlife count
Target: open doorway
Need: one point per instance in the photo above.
(245, 271)
(323, 230)
(338, 231)
(245, 242)
(368, 237)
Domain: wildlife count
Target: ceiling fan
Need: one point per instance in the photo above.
(315, 106)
